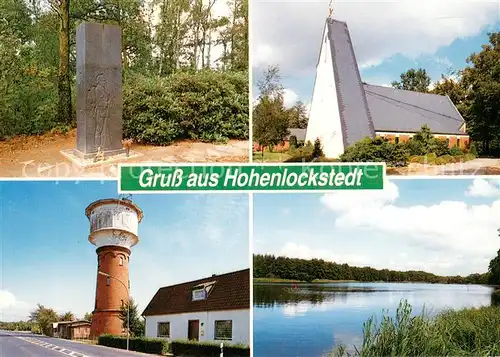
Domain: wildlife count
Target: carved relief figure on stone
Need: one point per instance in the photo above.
(99, 100)
(95, 116)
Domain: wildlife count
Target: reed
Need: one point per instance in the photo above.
(466, 332)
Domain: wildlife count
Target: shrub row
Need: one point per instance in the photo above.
(206, 105)
(207, 349)
(422, 148)
(140, 344)
(308, 153)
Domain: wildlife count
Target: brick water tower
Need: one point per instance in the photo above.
(114, 226)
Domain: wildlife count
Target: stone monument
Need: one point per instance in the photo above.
(98, 91)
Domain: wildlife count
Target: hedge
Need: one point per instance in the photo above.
(207, 349)
(207, 105)
(140, 344)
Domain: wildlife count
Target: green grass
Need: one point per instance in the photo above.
(467, 332)
(270, 156)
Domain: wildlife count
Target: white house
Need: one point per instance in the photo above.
(216, 308)
(345, 110)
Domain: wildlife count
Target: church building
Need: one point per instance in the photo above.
(345, 110)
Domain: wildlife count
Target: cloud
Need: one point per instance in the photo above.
(371, 199)
(379, 30)
(484, 188)
(12, 309)
(447, 226)
(443, 61)
(264, 55)
(289, 97)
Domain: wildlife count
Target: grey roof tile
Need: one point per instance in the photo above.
(354, 113)
(406, 111)
(300, 134)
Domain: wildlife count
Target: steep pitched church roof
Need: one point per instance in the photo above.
(354, 113)
(366, 108)
(406, 111)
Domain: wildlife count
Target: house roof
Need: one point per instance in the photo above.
(230, 291)
(354, 113)
(71, 323)
(300, 134)
(406, 111)
(366, 108)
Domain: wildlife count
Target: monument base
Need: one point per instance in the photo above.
(91, 155)
(83, 160)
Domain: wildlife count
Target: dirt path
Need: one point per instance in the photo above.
(40, 156)
(473, 167)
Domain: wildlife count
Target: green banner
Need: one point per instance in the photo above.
(250, 177)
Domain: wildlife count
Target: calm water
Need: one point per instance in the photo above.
(309, 320)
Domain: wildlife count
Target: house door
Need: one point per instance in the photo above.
(193, 329)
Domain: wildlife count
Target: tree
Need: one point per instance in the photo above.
(137, 326)
(298, 115)
(67, 316)
(414, 80)
(88, 316)
(65, 109)
(494, 270)
(423, 143)
(317, 149)
(270, 118)
(482, 80)
(44, 317)
(450, 87)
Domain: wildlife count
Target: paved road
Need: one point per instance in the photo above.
(18, 344)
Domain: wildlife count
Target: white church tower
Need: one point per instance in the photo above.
(339, 114)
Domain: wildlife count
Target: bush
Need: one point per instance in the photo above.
(293, 141)
(469, 157)
(431, 156)
(456, 151)
(472, 149)
(302, 154)
(495, 297)
(140, 344)
(30, 107)
(423, 143)
(376, 150)
(317, 149)
(208, 105)
(447, 159)
(207, 349)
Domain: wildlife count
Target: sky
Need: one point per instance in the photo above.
(45, 256)
(389, 37)
(443, 226)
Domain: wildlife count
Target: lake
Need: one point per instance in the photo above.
(308, 320)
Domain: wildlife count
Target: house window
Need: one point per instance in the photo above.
(163, 329)
(223, 330)
(108, 281)
(121, 261)
(458, 142)
(396, 139)
(199, 294)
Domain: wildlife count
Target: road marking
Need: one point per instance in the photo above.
(51, 346)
